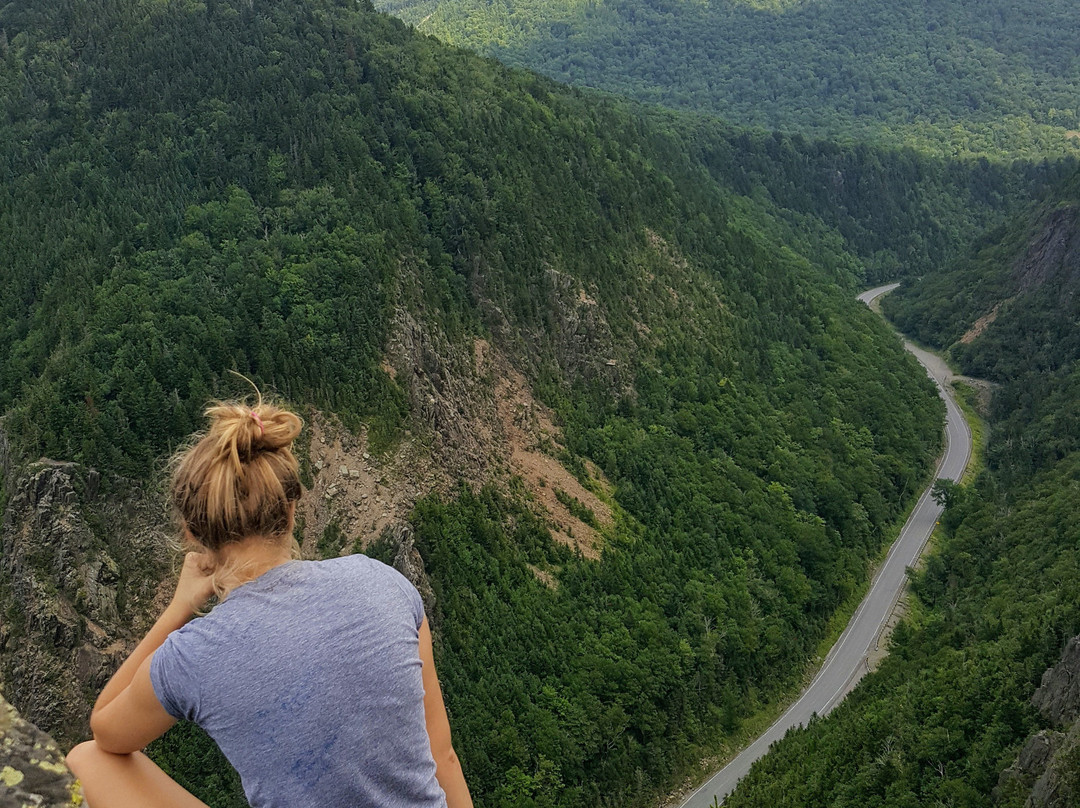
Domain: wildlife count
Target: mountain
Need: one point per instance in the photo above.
(949, 77)
(965, 711)
(592, 374)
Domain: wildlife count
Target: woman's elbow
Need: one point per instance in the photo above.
(81, 758)
(446, 757)
(105, 739)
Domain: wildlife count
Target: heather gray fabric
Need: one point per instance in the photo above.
(309, 679)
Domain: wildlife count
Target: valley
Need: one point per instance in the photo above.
(849, 659)
(591, 373)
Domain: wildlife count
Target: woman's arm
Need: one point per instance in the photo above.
(447, 766)
(127, 714)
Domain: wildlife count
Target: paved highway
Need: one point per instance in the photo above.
(847, 662)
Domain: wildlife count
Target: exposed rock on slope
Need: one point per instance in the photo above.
(79, 572)
(1058, 697)
(1050, 259)
(1046, 773)
(474, 418)
(408, 562)
(1053, 254)
(531, 441)
(486, 426)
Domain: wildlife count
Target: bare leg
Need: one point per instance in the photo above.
(125, 781)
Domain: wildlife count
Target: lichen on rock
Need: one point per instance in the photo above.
(33, 771)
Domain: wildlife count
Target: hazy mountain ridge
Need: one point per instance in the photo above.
(954, 78)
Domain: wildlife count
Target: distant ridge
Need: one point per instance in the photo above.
(960, 78)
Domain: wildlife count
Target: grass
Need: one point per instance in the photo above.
(965, 399)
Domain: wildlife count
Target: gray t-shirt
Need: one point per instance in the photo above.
(309, 679)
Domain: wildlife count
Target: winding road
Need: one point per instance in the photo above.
(847, 661)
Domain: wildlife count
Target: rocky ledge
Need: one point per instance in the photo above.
(32, 770)
(81, 560)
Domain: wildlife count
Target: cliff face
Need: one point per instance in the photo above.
(80, 562)
(1046, 773)
(1058, 696)
(1053, 254)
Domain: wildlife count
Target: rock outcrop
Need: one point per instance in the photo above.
(1058, 696)
(1053, 254)
(79, 571)
(1046, 773)
(32, 770)
(408, 562)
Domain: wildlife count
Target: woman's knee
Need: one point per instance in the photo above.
(81, 759)
(125, 781)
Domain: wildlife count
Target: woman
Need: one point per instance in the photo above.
(315, 678)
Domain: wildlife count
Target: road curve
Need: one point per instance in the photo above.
(847, 661)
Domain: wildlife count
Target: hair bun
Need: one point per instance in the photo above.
(239, 477)
(272, 427)
(240, 431)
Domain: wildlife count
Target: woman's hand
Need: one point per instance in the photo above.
(196, 583)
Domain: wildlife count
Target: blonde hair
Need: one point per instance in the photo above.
(239, 478)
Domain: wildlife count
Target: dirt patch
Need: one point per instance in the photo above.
(361, 493)
(670, 256)
(669, 253)
(980, 325)
(532, 442)
(514, 435)
(1072, 134)
(388, 369)
(546, 577)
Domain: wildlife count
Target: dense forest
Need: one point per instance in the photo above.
(1018, 286)
(948, 710)
(194, 188)
(950, 77)
(191, 188)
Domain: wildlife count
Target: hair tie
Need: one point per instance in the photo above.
(258, 420)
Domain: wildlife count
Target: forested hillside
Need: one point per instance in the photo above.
(353, 215)
(1007, 311)
(952, 77)
(950, 708)
(900, 212)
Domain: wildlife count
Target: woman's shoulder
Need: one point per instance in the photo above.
(363, 566)
(376, 575)
(356, 564)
